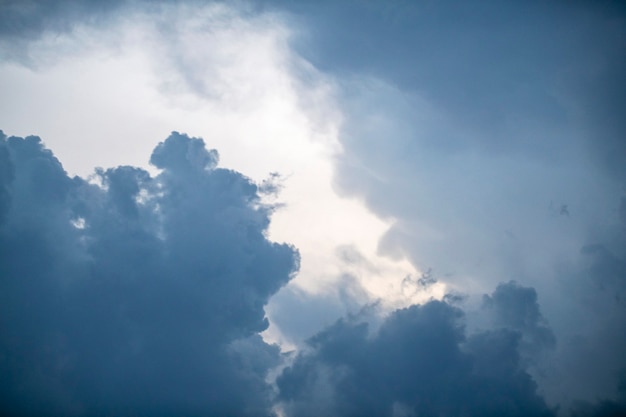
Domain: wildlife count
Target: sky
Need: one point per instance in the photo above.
(330, 208)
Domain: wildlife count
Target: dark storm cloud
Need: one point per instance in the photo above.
(516, 308)
(6, 177)
(418, 362)
(142, 296)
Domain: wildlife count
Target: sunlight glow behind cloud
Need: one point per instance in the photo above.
(227, 79)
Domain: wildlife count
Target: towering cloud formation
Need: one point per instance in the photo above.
(138, 296)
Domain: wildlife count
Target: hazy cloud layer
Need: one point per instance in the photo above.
(139, 296)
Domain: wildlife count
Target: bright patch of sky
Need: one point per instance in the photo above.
(102, 98)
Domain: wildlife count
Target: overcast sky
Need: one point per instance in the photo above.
(312, 208)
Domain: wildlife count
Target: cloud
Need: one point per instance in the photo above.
(420, 361)
(588, 364)
(141, 295)
(480, 62)
(225, 73)
(23, 22)
(489, 135)
(516, 308)
(601, 408)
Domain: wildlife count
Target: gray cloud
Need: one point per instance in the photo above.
(491, 134)
(142, 296)
(29, 19)
(22, 22)
(487, 64)
(588, 363)
(515, 307)
(418, 362)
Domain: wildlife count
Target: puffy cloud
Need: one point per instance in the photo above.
(516, 308)
(138, 295)
(418, 362)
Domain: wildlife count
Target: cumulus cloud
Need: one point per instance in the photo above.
(517, 308)
(419, 362)
(132, 294)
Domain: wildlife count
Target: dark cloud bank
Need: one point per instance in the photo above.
(420, 362)
(139, 295)
(142, 296)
